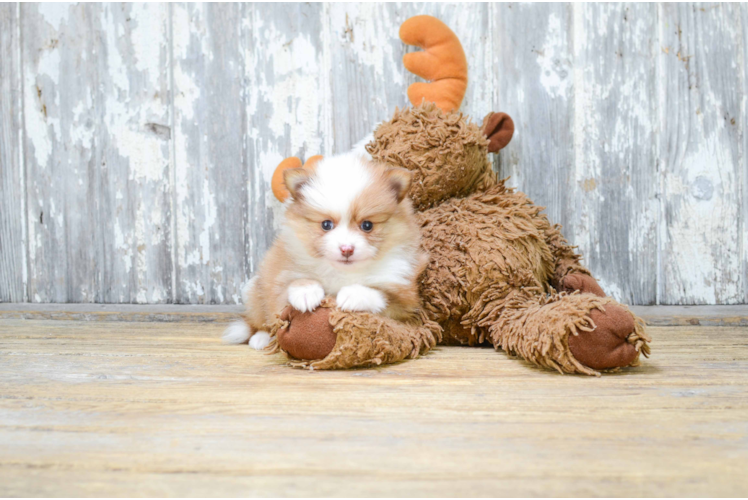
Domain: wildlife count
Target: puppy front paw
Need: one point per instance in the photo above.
(305, 297)
(361, 298)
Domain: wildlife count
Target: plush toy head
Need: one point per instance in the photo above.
(446, 153)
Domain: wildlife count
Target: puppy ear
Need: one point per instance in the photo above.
(294, 178)
(399, 179)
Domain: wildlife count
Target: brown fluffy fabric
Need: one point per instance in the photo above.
(446, 153)
(481, 248)
(537, 327)
(583, 283)
(363, 339)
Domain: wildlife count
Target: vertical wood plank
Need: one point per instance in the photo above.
(134, 147)
(209, 120)
(97, 144)
(257, 83)
(701, 154)
(250, 89)
(613, 205)
(12, 195)
(533, 74)
(744, 170)
(288, 102)
(368, 77)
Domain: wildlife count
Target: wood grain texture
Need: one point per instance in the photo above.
(701, 154)
(210, 173)
(12, 179)
(744, 170)
(138, 140)
(289, 108)
(105, 409)
(652, 315)
(97, 141)
(613, 210)
(248, 93)
(533, 71)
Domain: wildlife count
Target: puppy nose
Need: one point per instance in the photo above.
(346, 250)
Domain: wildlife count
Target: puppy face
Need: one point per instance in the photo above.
(349, 211)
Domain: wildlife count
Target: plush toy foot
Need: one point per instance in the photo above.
(582, 282)
(577, 333)
(311, 337)
(607, 346)
(328, 338)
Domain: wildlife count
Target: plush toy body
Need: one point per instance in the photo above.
(499, 272)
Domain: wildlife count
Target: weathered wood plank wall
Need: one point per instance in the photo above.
(13, 269)
(137, 141)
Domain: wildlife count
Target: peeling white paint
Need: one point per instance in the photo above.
(363, 29)
(555, 68)
(210, 219)
(148, 28)
(288, 57)
(54, 13)
(42, 127)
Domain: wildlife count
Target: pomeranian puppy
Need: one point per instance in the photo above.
(350, 232)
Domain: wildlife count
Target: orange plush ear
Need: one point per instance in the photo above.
(279, 187)
(442, 62)
(311, 163)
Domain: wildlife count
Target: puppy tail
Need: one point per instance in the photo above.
(237, 332)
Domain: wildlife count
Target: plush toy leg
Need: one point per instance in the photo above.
(582, 282)
(578, 333)
(329, 338)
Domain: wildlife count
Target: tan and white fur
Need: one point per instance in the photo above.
(350, 233)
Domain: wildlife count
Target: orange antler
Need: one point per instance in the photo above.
(279, 187)
(442, 62)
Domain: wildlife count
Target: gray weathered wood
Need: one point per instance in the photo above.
(533, 74)
(744, 169)
(701, 154)
(613, 210)
(97, 144)
(248, 93)
(735, 315)
(287, 93)
(12, 193)
(137, 142)
(210, 123)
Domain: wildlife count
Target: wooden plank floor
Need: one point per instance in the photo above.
(164, 409)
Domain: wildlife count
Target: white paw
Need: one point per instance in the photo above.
(236, 333)
(361, 298)
(305, 298)
(259, 340)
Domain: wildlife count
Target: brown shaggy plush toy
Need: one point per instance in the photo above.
(499, 272)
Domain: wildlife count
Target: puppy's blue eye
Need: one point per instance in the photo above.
(327, 225)
(367, 225)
